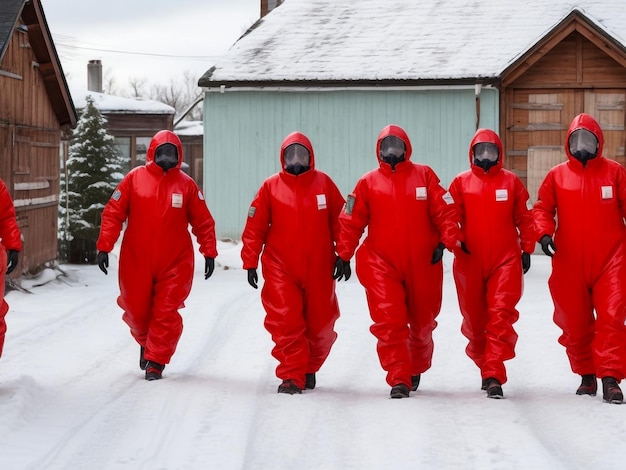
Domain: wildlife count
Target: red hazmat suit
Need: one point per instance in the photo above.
(11, 240)
(407, 214)
(293, 220)
(493, 210)
(583, 208)
(156, 258)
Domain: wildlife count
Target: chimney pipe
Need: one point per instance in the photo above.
(269, 5)
(94, 76)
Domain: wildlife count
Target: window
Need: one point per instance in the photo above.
(142, 144)
(123, 146)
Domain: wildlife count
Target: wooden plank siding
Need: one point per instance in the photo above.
(134, 126)
(30, 137)
(575, 75)
(193, 152)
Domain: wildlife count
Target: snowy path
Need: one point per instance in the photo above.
(72, 395)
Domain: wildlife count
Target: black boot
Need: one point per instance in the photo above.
(494, 388)
(399, 391)
(415, 381)
(484, 384)
(154, 370)
(309, 381)
(588, 385)
(142, 360)
(288, 386)
(611, 391)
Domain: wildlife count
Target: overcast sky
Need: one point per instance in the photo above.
(153, 39)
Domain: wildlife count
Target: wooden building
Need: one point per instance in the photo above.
(577, 67)
(35, 110)
(134, 121)
(269, 5)
(438, 68)
(191, 134)
(131, 121)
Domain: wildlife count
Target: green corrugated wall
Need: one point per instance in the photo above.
(243, 131)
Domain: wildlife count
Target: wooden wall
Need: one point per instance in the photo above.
(269, 5)
(574, 76)
(137, 125)
(30, 136)
(193, 152)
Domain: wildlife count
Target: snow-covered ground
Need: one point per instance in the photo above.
(72, 395)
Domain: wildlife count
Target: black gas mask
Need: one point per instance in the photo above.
(166, 156)
(583, 145)
(392, 150)
(486, 155)
(297, 159)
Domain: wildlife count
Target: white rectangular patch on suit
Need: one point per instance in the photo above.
(502, 194)
(177, 200)
(321, 201)
(607, 192)
(421, 193)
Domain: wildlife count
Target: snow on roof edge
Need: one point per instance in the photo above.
(118, 104)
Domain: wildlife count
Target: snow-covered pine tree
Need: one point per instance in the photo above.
(92, 172)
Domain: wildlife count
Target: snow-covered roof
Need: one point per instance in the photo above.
(9, 14)
(189, 128)
(112, 104)
(337, 40)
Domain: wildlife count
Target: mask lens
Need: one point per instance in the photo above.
(296, 153)
(392, 146)
(582, 140)
(486, 151)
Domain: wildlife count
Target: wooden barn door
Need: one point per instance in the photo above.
(607, 107)
(535, 142)
(36, 161)
(536, 139)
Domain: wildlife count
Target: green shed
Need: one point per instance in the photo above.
(339, 71)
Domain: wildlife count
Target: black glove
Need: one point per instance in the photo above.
(547, 244)
(12, 259)
(103, 261)
(525, 261)
(209, 266)
(342, 269)
(253, 278)
(437, 254)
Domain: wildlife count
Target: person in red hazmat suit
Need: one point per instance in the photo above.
(579, 220)
(293, 220)
(158, 202)
(410, 219)
(10, 246)
(494, 212)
